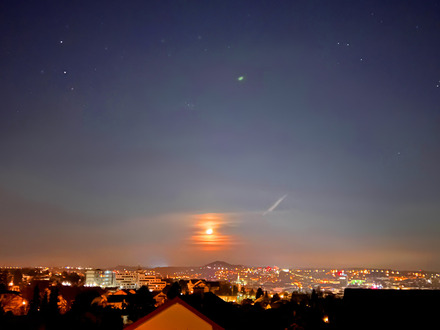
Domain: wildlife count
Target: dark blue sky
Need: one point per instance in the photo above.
(126, 133)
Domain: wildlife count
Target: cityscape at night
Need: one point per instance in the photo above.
(219, 164)
(265, 288)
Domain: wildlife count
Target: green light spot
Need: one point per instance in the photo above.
(241, 78)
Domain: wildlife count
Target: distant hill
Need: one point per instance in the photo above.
(221, 264)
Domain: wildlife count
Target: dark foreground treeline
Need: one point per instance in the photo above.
(360, 309)
(84, 314)
(300, 312)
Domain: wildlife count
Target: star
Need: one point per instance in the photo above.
(189, 105)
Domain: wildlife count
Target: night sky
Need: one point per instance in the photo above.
(290, 133)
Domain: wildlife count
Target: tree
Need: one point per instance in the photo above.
(225, 289)
(184, 286)
(73, 278)
(234, 290)
(53, 302)
(18, 277)
(259, 293)
(35, 302)
(275, 297)
(4, 277)
(141, 303)
(144, 299)
(174, 291)
(83, 301)
(44, 304)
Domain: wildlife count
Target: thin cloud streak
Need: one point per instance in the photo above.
(274, 206)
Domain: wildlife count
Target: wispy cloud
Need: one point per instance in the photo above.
(274, 206)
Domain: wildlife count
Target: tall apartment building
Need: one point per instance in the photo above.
(98, 277)
(135, 280)
(92, 277)
(154, 283)
(107, 279)
(126, 280)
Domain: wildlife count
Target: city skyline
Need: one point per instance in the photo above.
(290, 133)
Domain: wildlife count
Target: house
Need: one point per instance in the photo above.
(202, 286)
(12, 301)
(174, 314)
(160, 298)
(119, 299)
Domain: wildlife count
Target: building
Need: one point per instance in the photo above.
(92, 277)
(175, 314)
(123, 280)
(107, 279)
(153, 282)
(98, 277)
(126, 280)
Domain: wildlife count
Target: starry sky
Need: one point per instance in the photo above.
(292, 133)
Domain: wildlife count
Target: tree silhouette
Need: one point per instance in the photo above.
(35, 302)
(44, 305)
(184, 286)
(83, 301)
(4, 277)
(225, 289)
(234, 290)
(275, 297)
(141, 303)
(174, 291)
(18, 277)
(259, 293)
(73, 278)
(53, 309)
(144, 299)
